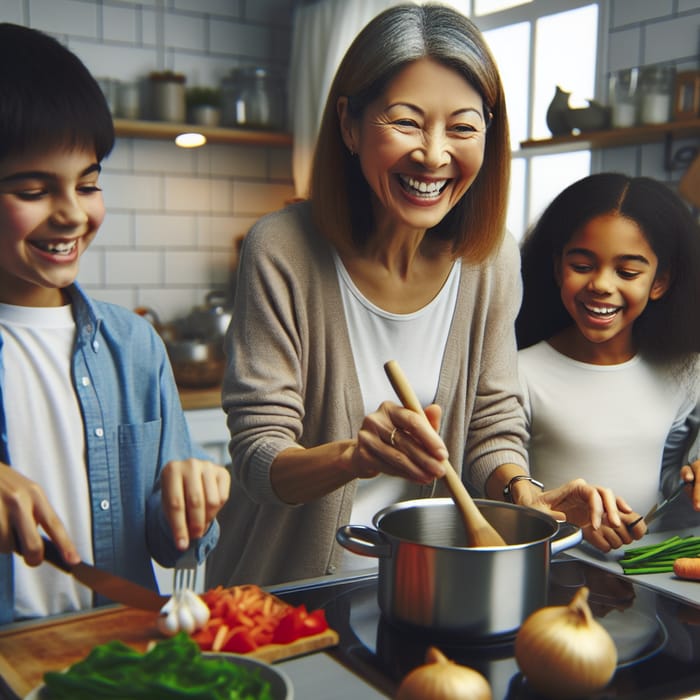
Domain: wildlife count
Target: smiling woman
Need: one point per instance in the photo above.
(399, 254)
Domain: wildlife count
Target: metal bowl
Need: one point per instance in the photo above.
(197, 363)
(280, 684)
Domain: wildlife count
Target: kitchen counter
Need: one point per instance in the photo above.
(193, 399)
(654, 620)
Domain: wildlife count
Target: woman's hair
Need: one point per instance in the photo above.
(341, 197)
(669, 327)
(48, 98)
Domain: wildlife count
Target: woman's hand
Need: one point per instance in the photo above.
(399, 442)
(24, 507)
(606, 520)
(576, 502)
(194, 491)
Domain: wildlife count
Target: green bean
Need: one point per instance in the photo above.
(659, 558)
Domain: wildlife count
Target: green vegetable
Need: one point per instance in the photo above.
(173, 668)
(659, 558)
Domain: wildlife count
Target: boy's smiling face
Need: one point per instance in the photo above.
(50, 210)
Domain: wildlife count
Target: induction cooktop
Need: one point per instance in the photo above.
(657, 636)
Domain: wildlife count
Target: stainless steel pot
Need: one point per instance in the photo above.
(430, 578)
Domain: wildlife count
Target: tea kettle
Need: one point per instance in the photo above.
(210, 320)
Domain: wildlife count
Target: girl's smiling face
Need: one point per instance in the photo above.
(607, 274)
(50, 210)
(420, 144)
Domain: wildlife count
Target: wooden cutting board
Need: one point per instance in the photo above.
(28, 650)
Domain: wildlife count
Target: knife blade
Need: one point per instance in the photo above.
(116, 588)
(657, 509)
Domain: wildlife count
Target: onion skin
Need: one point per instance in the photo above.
(442, 679)
(563, 652)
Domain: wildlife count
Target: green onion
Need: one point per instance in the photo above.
(659, 558)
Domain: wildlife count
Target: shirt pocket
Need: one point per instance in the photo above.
(139, 457)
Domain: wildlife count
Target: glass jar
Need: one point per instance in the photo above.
(168, 96)
(656, 89)
(623, 97)
(252, 99)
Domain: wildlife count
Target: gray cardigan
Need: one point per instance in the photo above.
(291, 380)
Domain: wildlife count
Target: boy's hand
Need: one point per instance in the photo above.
(194, 491)
(23, 508)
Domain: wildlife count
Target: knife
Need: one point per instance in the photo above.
(657, 509)
(116, 588)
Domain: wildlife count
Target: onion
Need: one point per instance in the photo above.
(442, 679)
(563, 652)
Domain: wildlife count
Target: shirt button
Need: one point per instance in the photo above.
(104, 504)
(85, 381)
(99, 432)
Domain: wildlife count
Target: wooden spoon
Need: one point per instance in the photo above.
(480, 533)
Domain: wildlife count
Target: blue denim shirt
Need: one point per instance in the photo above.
(134, 425)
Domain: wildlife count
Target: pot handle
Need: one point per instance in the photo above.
(364, 540)
(568, 535)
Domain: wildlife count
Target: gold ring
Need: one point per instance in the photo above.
(392, 436)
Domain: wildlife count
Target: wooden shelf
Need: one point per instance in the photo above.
(162, 130)
(612, 138)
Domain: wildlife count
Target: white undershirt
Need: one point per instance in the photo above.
(47, 444)
(417, 342)
(605, 423)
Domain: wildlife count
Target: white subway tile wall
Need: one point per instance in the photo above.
(645, 32)
(173, 215)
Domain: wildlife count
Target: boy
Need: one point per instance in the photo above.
(94, 448)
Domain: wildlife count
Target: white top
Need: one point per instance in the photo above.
(607, 424)
(38, 344)
(377, 336)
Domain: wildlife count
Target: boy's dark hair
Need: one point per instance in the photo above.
(669, 327)
(48, 98)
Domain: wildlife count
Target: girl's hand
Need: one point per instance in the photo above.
(194, 491)
(399, 442)
(689, 473)
(23, 509)
(608, 537)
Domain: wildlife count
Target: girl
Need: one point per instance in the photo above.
(609, 340)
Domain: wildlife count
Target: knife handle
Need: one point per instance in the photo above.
(51, 553)
(53, 556)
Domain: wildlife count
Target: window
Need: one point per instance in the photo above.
(538, 45)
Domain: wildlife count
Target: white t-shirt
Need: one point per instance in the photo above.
(47, 444)
(417, 342)
(607, 424)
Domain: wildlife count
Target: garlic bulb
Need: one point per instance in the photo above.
(185, 611)
(442, 679)
(563, 652)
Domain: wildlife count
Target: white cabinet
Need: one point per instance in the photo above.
(208, 428)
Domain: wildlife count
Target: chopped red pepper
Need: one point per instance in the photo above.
(244, 618)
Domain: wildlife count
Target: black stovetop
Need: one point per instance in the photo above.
(657, 636)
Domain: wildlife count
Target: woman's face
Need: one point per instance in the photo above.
(420, 144)
(607, 275)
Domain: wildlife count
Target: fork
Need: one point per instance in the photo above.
(185, 573)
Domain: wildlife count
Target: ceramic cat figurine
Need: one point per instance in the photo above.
(556, 113)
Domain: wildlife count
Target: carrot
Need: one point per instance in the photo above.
(687, 567)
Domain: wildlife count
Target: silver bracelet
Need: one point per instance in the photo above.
(507, 491)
